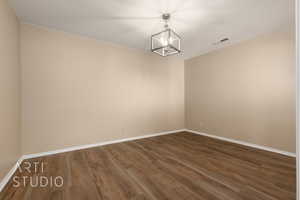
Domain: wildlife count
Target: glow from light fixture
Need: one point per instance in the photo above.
(163, 41)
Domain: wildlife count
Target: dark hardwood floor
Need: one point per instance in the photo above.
(181, 166)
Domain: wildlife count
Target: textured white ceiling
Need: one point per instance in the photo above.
(131, 22)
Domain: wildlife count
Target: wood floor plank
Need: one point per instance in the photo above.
(82, 185)
(181, 166)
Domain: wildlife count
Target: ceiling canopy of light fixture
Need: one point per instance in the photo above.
(166, 42)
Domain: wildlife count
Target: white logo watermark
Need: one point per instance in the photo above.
(36, 177)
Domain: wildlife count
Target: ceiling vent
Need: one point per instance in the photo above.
(221, 41)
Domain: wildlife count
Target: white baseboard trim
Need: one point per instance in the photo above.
(74, 148)
(245, 143)
(9, 175)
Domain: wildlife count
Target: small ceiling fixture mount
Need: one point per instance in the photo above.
(166, 42)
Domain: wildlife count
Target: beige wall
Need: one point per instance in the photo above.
(82, 91)
(245, 92)
(9, 88)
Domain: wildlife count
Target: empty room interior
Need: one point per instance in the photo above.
(148, 100)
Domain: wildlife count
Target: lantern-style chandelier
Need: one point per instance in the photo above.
(166, 42)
